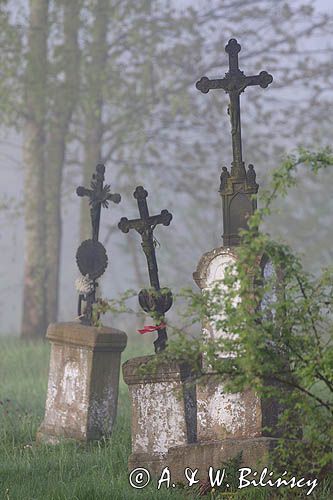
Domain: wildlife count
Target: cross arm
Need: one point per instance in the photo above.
(164, 218)
(263, 79)
(125, 224)
(82, 191)
(205, 84)
(140, 225)
(116, 198)
(234, 83)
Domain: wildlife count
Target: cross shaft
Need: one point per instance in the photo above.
(234, 83)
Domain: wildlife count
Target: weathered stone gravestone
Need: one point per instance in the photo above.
(162, 402)
(228, 423)
(219, 414)
(163, 412)
(175, 422)
(84, 368)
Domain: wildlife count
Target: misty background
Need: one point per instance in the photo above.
(158, 131)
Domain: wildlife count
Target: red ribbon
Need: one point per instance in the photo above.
(149, 329)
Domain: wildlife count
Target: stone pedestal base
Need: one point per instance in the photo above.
(83, 382)
(242, 415)
(201, 456)
(163, 411)
(224, 415)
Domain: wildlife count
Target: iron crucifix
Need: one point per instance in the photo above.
(91, 255)
(99, 196)
(234, 83)
(145, 227)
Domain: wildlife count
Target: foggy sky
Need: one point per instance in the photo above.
(116, 279)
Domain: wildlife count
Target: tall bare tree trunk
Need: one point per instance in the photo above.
(34, 310)
(95, 78)
(64, 103)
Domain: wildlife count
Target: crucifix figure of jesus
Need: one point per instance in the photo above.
(145, 227)
(234, 83)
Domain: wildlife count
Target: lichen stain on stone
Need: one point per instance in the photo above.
(67, 398)
(224, 410)
(215, 272)
(102, 411)
(161, 422)
(52, 388)
(51, 393)
(228, 414)
(70, 382)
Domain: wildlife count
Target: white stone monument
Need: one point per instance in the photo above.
(222, 415)
(162, 412)
(82, 392)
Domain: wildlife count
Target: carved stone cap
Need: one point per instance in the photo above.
(200, 274)
(90, 337)
(165, 372)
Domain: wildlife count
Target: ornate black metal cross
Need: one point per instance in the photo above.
(234, 83)
(160, 301)
(99, 196)
(91, 255)
(236, 189)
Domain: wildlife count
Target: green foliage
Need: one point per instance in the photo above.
(115, 306)
(278, 329)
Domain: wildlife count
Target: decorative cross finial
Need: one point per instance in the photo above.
(234, 83)
(158, 302)
(237, 189)
(99, 196)
(91, 255)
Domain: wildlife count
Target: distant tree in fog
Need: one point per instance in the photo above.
(113, 81)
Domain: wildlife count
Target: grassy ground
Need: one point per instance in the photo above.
(67, 471)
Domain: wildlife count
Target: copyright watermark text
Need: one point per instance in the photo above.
(140, 478)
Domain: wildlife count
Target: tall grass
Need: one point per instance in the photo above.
(68, 471)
